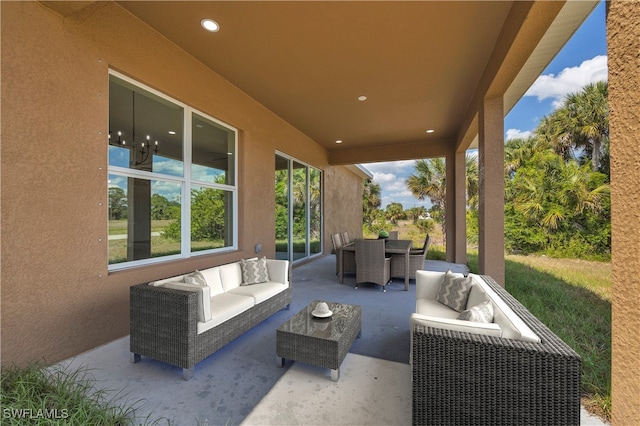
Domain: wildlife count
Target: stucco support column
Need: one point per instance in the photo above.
(460, 255)
(450, 206)
(623, 45)
(491, 189)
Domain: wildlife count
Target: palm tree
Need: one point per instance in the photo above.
(429, 181)
(592, 111)
(471, 166)
(581, 124)
(518, 151)
(394, 212)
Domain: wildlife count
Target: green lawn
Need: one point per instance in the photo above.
(573, 298)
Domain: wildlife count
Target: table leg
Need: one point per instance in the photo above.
(335, 374)
(340, 265)
(406, 271)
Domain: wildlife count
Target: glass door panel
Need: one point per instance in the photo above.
(282, 208)
(299, 189)
(314, 211)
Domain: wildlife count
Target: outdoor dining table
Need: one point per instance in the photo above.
(390, 247)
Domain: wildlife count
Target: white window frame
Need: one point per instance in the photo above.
(185, 182)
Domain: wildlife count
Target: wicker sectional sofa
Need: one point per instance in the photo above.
(513, 371)
(183, 323)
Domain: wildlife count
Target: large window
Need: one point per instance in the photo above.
(298, 209)
(172, 178)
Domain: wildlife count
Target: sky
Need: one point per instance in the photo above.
(581, 61)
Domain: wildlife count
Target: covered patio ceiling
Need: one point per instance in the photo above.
(422, 65)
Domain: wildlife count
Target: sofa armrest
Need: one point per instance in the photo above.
(163, 324)
(278, 270)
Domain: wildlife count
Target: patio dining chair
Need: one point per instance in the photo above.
(372, 265)
(416, 261)
(424, 248)
(345, 238)
(348, 257)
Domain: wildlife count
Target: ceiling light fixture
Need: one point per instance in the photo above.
(210, 25)
(362, 98)
(430, 131)
(338, 141)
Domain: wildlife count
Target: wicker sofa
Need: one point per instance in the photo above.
(479, 374)
(181, 323)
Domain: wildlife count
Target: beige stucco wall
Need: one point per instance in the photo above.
(341, 197)
(58, 298)
(623, 38)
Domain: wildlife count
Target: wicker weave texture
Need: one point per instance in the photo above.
(163, 324)
(371, 264)
(469, 379)
(416, 263)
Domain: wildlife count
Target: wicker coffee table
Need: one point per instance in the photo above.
(323, 342)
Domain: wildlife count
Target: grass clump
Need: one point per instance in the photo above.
(58, 396)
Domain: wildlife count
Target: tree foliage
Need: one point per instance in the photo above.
(394, 212)
(117, 203)
(555, 206)
(370, 205)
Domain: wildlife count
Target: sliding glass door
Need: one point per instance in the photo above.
(298, 198)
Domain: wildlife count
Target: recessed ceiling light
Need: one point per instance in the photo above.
(171, 132)
(362, 98)
(430, 131)
(338, 141)
(210, 25)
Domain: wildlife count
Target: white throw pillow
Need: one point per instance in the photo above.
(454, 292)
(479, 313)
(254, 271)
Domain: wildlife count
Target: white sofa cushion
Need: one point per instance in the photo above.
(488, 329)
(204, 295)
(212, 276)
(254, 271)
(231, 276)
(260, 292)
(477, 295)
(278, 271)
(223, 307)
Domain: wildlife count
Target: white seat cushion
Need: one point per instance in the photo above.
(433, 308)
(223, 307)
(488, 329)
(259, 292)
